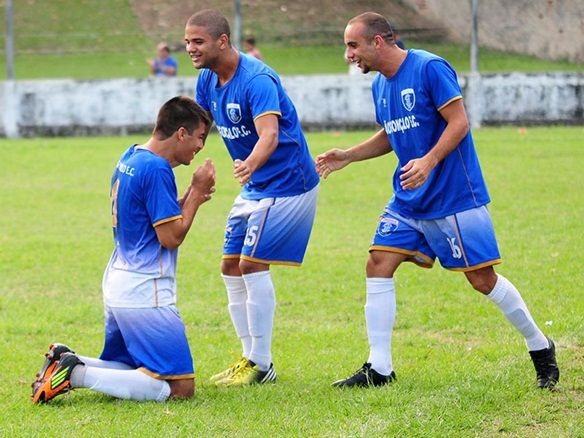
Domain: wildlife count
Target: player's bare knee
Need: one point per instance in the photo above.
(247, 267)
(230, 267)
(482, 280)
(182, 388)
(382, 264)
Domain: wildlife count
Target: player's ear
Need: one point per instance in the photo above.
(223, 41)
(181, 133)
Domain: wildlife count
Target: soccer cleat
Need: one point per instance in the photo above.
(51, 359)
(230, 371)
(250, 374)
(546, 367)
(58, 382)
(364, 377)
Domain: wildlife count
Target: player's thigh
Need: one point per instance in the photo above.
(182, 388)
(236, 229)
(400, 239)
(114, 347)
(464, 241)
(383, 264)
(279, 229)
(157, 342)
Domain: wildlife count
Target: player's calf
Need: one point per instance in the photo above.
(183, 388)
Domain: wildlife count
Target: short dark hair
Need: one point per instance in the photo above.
(180, 111)
(250, 40)
(215, 23)
(375, 24)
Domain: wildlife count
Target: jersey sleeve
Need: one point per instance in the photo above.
(262, 94)
(201, 92)
(442, 83)
(161, 196)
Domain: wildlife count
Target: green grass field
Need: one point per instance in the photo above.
(286, 60)
(83, 39)
(462, 369)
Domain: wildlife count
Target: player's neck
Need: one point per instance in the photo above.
(393, 61)
(162, 148)
(228, 66)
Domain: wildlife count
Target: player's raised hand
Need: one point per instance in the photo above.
(332, 160)
(241, 171)
(203, 180)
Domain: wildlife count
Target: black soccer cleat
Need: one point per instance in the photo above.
(364, 377)
(546, 367)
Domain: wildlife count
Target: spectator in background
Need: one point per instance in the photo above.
(249, 46)
(164, 65)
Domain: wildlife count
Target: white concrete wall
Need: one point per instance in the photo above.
(68, 107)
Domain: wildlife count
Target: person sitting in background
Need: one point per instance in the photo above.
(249, 46)
(164, 65)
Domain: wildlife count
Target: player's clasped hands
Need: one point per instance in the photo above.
(332, 160)
(203, 180)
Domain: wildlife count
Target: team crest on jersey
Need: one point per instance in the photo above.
(387, 225)
(408, 98)
(234, 112)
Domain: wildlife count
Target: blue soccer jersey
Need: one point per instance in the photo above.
(407, 106)
(141, 272)
(253, 91)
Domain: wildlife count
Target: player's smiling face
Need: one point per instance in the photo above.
(190, 144)
(203, 49)
(358, 49)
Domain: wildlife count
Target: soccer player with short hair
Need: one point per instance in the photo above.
(271, 220)
(146, 355)
(439, 205)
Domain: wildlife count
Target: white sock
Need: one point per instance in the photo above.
(110, 364)
(237, 297)
(507, 298)
(126, 384)
(261, 304)
(380, 310)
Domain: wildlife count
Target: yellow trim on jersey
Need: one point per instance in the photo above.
(160, 377)
(169, 219)
(230, 256)
(424, 257)
(476, 267)
(269, 262)
(449, 102)
(277, 113)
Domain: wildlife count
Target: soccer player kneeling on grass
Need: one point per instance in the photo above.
(146, 354)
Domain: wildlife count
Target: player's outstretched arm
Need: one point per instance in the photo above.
(172, 234)
(336, 159)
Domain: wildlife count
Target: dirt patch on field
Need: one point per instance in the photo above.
(299, 22)
(549, 29)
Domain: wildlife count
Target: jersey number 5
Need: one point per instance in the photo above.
(251, 236)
